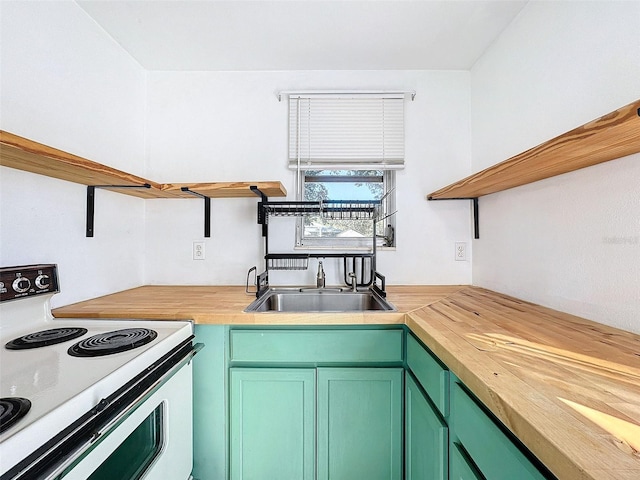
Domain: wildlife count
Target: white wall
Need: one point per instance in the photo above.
(207, 126)
(571, 242)
(65, 83)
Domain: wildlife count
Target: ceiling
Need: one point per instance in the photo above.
(211, 35)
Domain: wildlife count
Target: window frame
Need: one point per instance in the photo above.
(385, 226)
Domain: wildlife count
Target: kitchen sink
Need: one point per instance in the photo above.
(319, 300)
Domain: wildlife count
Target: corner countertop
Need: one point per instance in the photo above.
(568, 387)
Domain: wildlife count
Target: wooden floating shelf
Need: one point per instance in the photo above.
(609, 137)
(224, 189)
(24, 154)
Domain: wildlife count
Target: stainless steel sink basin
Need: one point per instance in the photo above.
(319, 300)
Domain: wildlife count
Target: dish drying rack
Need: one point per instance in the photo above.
(330, 209)
(364, 263)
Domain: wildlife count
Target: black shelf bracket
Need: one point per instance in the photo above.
(476, 212)
(263, 220)
(262, 215)
(476, 218)
(207, 210)
(91, 199)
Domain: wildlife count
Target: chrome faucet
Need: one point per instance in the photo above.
(320, 277)
(354, 282)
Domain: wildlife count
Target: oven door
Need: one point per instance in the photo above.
(142, 431)
(152, 443)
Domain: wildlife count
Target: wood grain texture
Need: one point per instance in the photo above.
(568, 387)
(532, 365)
(609, 137)
(225, 189)
(225, 304)
(24, 154)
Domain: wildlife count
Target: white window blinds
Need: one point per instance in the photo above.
(346, 131)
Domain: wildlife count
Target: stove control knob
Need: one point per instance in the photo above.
(42, 281)
(21, 284)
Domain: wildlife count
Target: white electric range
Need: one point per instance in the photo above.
(89, 399)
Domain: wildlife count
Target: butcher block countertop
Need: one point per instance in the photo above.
(569, 388)
(225, 305)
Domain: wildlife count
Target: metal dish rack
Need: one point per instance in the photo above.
(287, 261)
(331, 209)
(365, 263)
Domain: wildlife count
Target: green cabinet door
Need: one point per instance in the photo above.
(272, 424)
(360, 423)
(426, 437)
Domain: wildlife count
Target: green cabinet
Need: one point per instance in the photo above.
(316, 346)
(487, 444)
(210, 397)
(426, 437)
(276, 417)
(316, 403)
(360, 423)
(432, 375)
(479, 446)
(341, 403)
(272, 423)
(461, 467)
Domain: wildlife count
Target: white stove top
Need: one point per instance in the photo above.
(59, 386)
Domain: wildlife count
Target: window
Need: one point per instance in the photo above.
(346, 147)
(351, 230)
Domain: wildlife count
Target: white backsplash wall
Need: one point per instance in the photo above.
(571, 242)
(229, 126)
(66, 84)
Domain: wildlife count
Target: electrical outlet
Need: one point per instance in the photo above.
(461, 251)
(198, 250)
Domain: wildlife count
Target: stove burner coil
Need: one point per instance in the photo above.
(12, 409)
(45, 338)
(112, 342)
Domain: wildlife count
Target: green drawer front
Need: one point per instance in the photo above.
(433, 377)
(493, 452)
(460, 468)
(316, 346)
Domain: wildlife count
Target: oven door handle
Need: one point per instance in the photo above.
(123, 415)
(63, 450)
